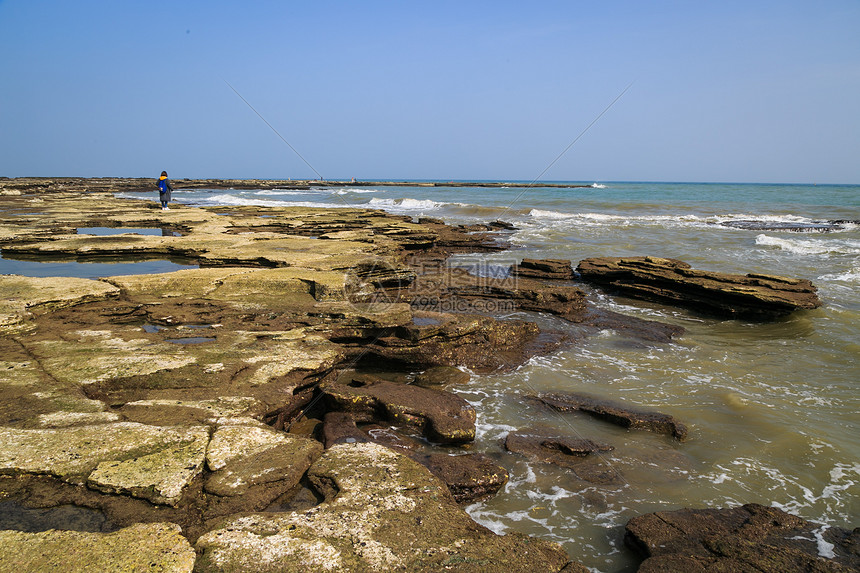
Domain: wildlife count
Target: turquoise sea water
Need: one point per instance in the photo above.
(772, 408)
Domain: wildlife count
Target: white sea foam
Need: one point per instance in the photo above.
(852, 276)
(347, 190)
(598, 186)
(825, 548)
(405, 203)
(811, 246)
(282, 192)
(594, 219)
(234, 200)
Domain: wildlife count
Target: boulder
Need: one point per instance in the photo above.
(443, 416)
(382, 512)
(747, 538)
(616, 413)
(142, 547)
(670, 281)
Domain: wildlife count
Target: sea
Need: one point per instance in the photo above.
(772, 407)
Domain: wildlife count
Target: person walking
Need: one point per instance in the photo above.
(164, 190)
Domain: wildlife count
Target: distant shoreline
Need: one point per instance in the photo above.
(284, 183)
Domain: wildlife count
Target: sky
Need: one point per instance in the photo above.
(765, 91)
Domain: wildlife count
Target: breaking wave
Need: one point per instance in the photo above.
(811, 246)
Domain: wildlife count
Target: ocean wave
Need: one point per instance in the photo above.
(852, 276)
(606, 218)
(728, 222)
(811, 246)
(598, 186)
(406, 203)
(347, 190)
(235, 200)
(281, 192)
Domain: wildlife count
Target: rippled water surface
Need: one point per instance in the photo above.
(772, 408)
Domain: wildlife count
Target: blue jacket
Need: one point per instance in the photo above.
(164, 189)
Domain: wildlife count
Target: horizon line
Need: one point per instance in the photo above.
(435, 180)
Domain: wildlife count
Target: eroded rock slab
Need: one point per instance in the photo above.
(747, 538)
(243, 457)
(383, 512)
(143, 547)
(443, 416)
(751, 296)
(469, 477)
(21, 296)
(616, 413)
(554, 269)
(159, 477)
(73, 453)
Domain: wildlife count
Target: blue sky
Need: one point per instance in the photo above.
(722, 91)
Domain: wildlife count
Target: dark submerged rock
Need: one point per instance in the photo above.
(441, 376)
(567, 452)
(747, 538)
(751, 296)
(616, 413)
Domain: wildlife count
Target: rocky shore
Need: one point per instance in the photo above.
(290, 403)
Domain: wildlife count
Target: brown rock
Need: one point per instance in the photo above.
(491, 293)
(443, 416)
(617, 413)
(747, 538)
(751, 296)
(469, 477)
(340, 428)
(441, 376)
(566, 452)
(555, 269)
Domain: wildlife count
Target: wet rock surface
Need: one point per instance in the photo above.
(751, 296)
(616, 413)
(747, 538)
